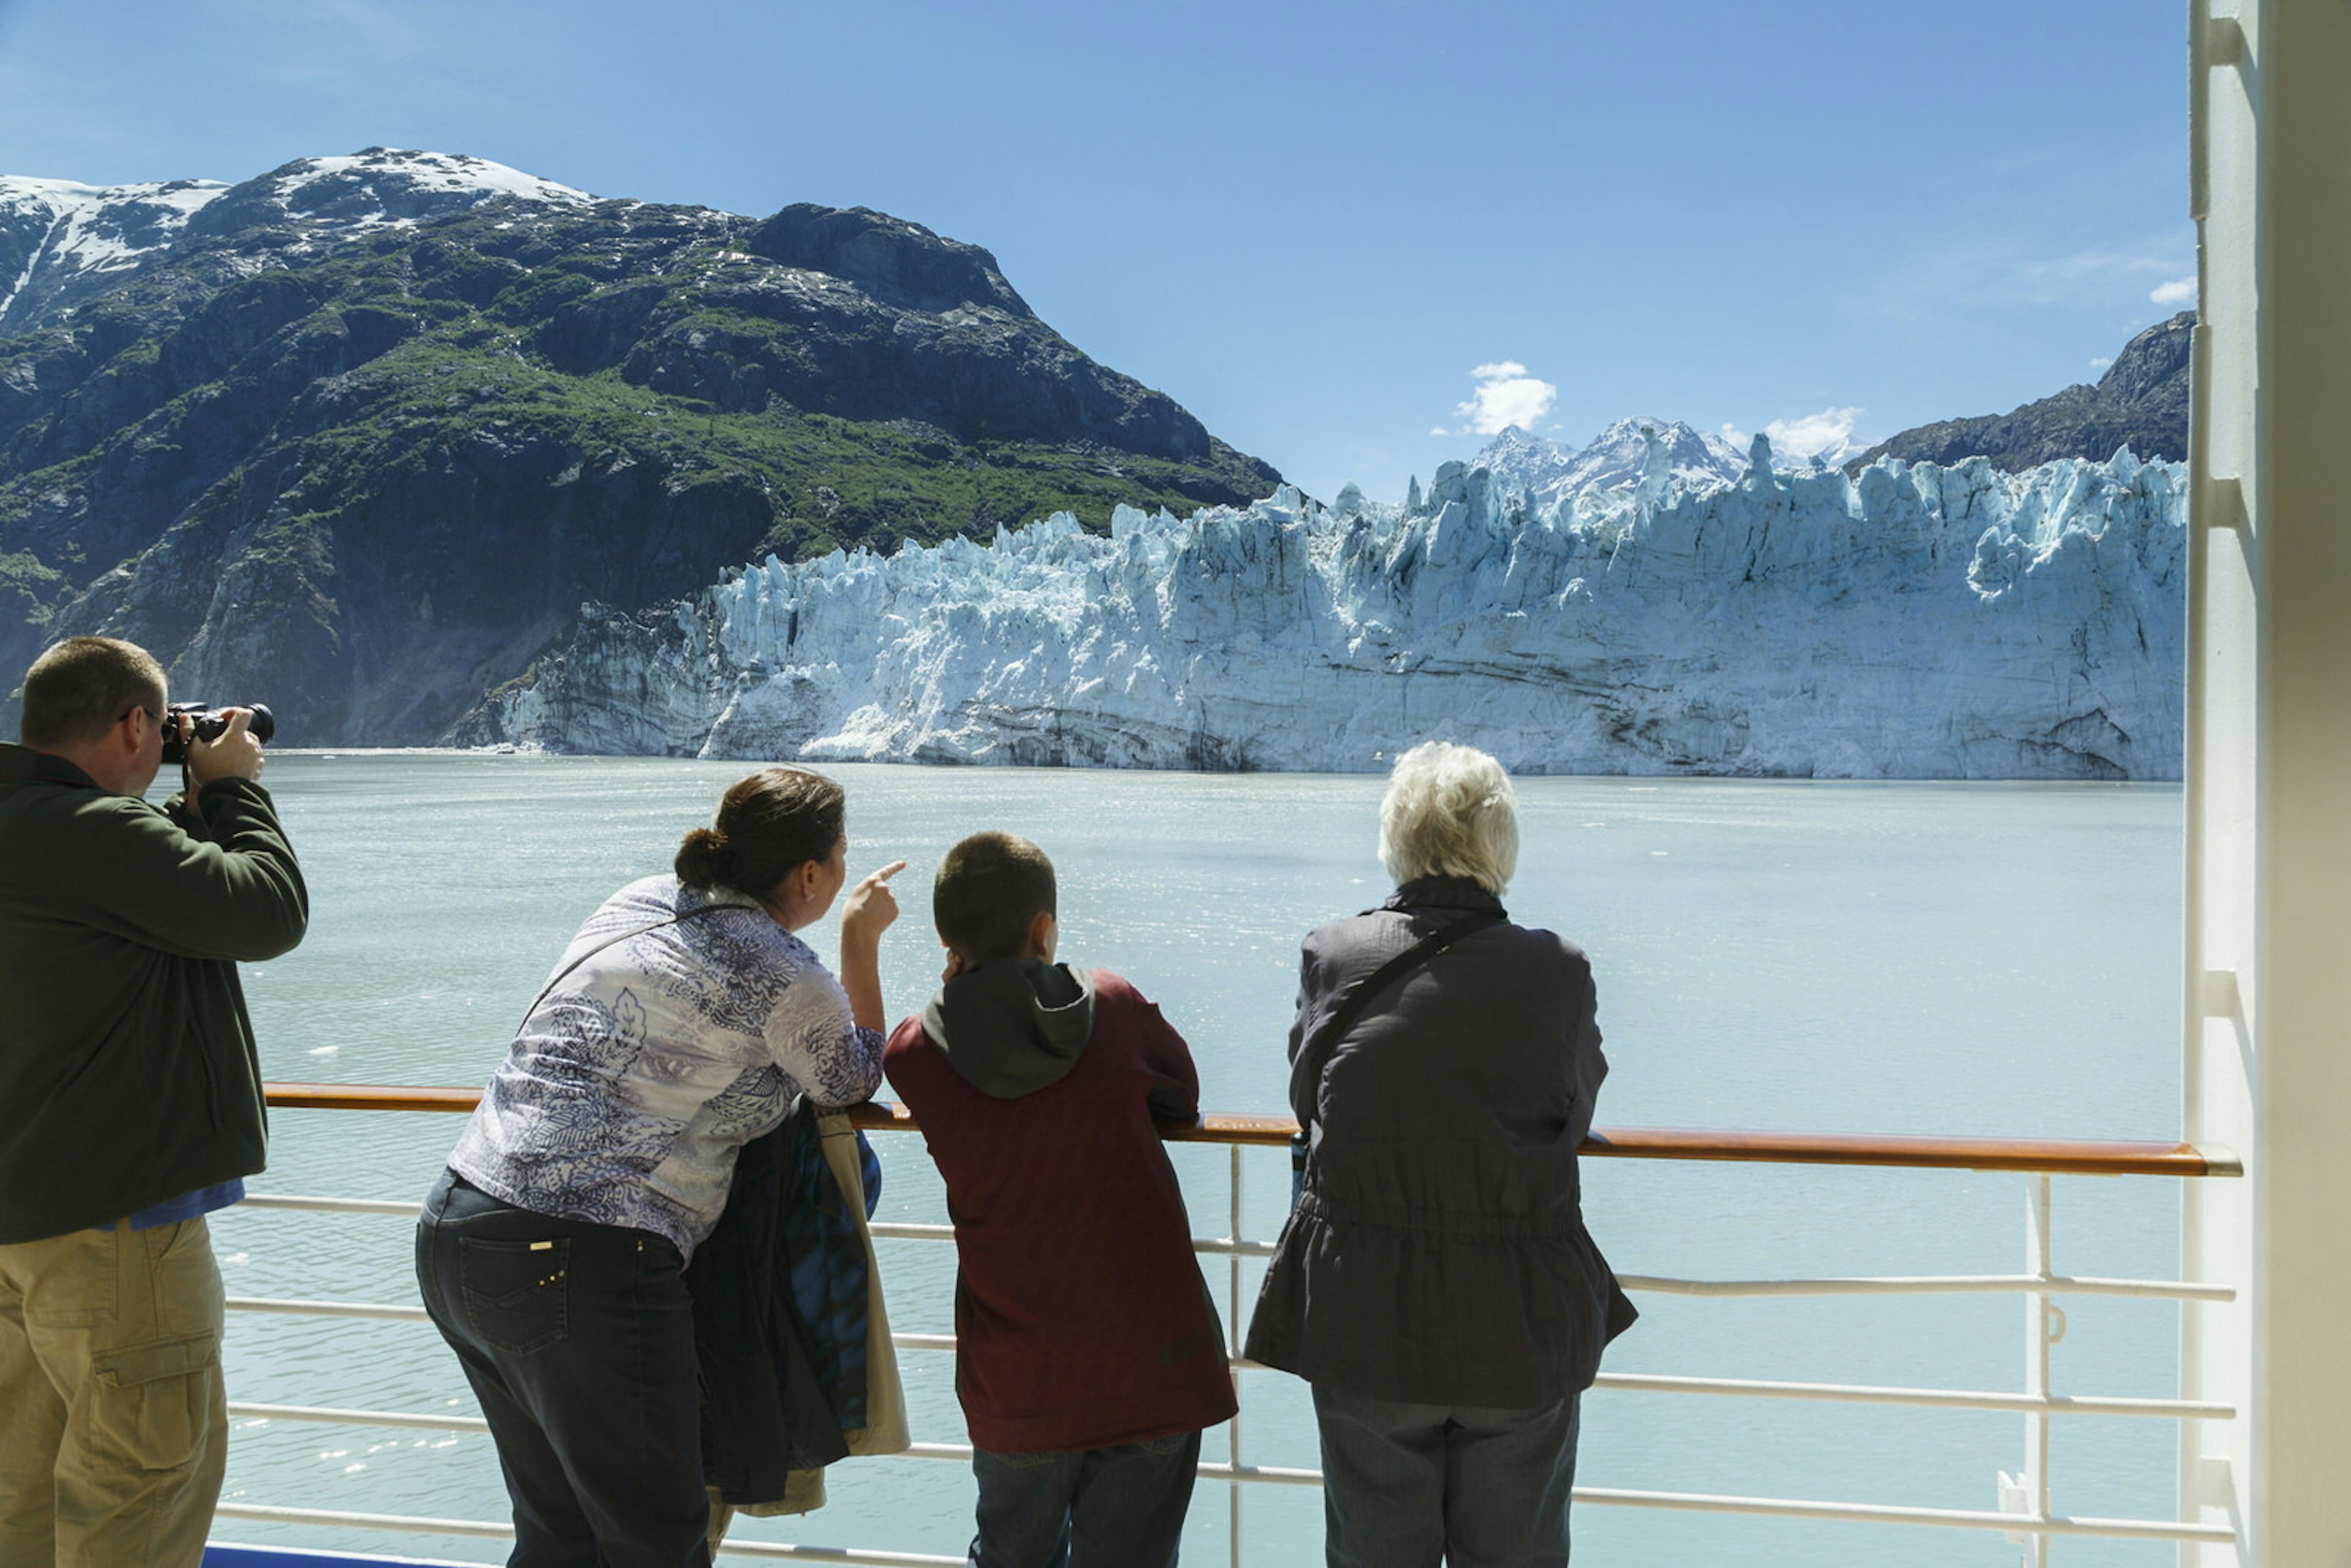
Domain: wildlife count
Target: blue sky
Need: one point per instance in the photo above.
(1314, 224)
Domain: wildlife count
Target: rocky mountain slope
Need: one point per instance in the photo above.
(360, 436)
(2141, 402)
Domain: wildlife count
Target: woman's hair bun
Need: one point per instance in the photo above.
(778, 818)
(704, 859)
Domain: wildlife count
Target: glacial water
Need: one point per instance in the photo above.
(1855, 958)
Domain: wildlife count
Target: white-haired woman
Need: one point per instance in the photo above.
(1436, 1283)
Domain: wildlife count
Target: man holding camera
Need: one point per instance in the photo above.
(131, 1103)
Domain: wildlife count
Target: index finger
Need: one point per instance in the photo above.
(887, 871)
(238, 718)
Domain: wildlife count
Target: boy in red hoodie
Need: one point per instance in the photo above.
(1088, 1352)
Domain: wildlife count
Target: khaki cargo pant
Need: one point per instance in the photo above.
(113, 1420)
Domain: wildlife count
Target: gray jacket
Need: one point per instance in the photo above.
(1439, 1254)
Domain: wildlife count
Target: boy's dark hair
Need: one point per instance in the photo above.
(990, 888)
(80, 688)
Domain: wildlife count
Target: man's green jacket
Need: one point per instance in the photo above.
(128, 1074)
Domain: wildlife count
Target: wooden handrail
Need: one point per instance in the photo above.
(2062, 1156)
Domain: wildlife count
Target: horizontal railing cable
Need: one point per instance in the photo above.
(1703, 1502)
(1933, 1285)
(1212, 1246)
(488, 1530)
(1647, 1382)
(1886, 1513)
(425, 1422)
(1659, 1284)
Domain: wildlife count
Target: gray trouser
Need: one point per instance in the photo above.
(1404, 1485)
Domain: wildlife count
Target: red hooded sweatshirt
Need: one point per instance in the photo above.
(1081, 1319)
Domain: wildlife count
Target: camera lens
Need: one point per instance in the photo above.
(208, 723)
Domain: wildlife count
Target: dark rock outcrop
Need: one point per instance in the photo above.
(2141, 402)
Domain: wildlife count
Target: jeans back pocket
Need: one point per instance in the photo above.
(515, 1292)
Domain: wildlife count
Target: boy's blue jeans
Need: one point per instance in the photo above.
(1084, 1508)
(1404, 1484)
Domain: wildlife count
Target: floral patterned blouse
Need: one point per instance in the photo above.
(634, 1081)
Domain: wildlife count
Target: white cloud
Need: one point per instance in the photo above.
(2178, 291)
(2100, 364)
(1438, 430)
(1506, 395)
(1828, 434)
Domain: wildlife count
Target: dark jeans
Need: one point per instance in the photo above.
(1084, 1508)
(579, 1342)
(1404, 1484)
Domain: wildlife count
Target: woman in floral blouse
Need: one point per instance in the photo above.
(681, 1023)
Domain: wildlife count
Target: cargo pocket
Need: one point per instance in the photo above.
(515, 1292)
(151, 1405)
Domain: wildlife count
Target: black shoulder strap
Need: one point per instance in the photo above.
(549, 989)
(1317, 1054)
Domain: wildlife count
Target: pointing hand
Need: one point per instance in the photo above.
(870, 908)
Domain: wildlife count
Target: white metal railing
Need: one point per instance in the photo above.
(2024, 1516)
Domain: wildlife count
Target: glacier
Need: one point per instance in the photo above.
(1909, 622)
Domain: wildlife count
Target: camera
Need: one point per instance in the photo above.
(211, 726)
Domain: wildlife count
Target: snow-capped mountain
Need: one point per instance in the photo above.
(360, 436)
(61, 241)
(1616, 459)
(56, 232)
(1539, 466)
(1912, 622)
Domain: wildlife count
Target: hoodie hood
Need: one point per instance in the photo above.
(1012, 1025)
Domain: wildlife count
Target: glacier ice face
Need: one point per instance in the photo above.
(1915, 622)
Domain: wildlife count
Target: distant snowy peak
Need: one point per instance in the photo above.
(1540, 466)
(59, 239)
(323, 201)
(386, 185)
(1616, 459)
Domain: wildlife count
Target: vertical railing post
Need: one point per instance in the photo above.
(1233, 1348)
(2027, 1491)
(2038, 1309)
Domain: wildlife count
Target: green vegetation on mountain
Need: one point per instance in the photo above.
(368, 470)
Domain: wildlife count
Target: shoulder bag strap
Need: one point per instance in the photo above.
(549, 989)
(1316, 1057)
